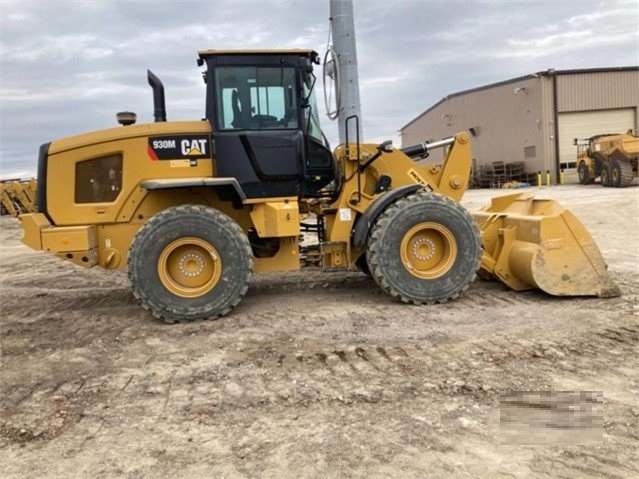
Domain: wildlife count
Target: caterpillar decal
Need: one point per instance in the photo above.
(182, 147)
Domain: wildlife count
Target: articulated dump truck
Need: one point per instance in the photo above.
(191, 209)
(611, 157)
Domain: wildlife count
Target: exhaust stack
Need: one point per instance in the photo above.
(158, 97)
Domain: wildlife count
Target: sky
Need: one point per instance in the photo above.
(67, 67)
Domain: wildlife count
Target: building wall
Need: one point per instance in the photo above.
(598, 91)
(508, 121)
(515, 120)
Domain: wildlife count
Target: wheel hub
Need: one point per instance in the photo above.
(424, 249)
(428, 250)
(189, 267)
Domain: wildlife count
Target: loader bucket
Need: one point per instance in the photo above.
(539, 244)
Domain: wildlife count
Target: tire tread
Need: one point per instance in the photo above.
(166, 313)
(380, 230)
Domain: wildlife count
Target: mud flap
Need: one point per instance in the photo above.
(539, 244)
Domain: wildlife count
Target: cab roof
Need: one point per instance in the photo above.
(292, 51)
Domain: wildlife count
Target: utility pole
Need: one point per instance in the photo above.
(343, 31)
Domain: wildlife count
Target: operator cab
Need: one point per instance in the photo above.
(263, 112)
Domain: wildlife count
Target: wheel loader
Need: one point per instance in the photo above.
(17, 196)
(612, 157)
(190, 209)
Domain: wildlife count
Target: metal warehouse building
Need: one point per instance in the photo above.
(529, 123)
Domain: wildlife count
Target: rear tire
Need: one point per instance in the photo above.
(621, 174)
(424, 249)
(189, 263)
(605, 175)
(615, 174)
(627, 174)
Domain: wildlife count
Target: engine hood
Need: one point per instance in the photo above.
(131, 131)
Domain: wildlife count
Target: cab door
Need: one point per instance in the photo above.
(258, 139)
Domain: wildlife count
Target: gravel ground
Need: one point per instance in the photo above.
(322, 375)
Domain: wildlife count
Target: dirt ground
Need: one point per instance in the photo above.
(315, 374)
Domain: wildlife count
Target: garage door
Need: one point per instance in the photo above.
(586, 124)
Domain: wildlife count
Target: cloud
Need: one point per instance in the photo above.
(60, 49)
(69, 66)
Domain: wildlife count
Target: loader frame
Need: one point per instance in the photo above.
(191, 209)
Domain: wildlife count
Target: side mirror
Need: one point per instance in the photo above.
(306, 67)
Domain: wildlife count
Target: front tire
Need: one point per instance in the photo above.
(584, 174)
(189, 263)
(424, 249)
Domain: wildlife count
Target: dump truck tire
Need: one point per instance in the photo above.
(585, 177)
(424, 249)
(620, 174)
(615, 174)
(190, 263)
(605, 175)
(627, 175)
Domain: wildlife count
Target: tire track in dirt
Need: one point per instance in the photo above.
(332, 372)
(369, 363)
(70, 300)
(267, 381)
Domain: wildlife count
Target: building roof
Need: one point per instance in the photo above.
(548, 72)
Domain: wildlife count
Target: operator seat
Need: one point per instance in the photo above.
(237, 110)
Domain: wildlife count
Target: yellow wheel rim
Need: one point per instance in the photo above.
(189, 267)
(428, 250)
(614, 175)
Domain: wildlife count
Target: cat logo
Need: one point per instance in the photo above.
(179, 147)
(194, 147)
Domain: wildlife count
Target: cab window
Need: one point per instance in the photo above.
(256, 98)
(311, 116)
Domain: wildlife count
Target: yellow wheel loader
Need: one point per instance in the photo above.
(17, 196)
(611, 157)
(191, 209)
